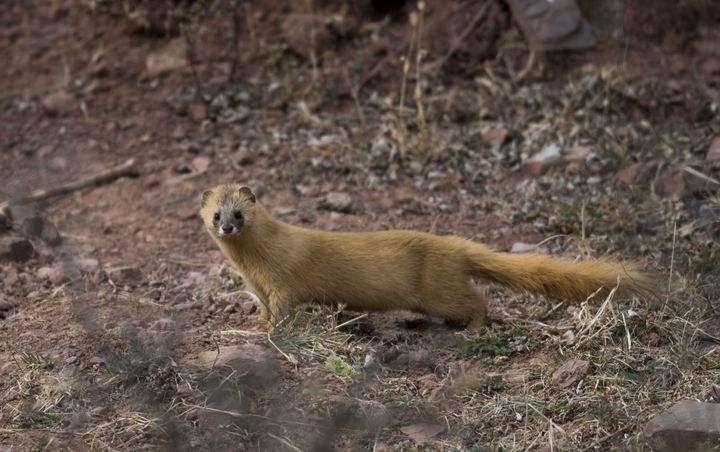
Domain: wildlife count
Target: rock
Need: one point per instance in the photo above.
(541, 161)
(171, 58)
(371, 415)
(575, 156)
(688, 425)
(422, 431)
(713, 154)
(54, 274)
(125, 275)
(670, 184)
(97, 361)
(249, 307)
(201, 164)
(59, 103)
(245, 156)
(570, 373)
(630, 174)
(337, 202)
(520, 247)
(234, 356)
(495, 137)
(163, 324)
(553, 25)
(15, 249)
(87, 264)
(306, 33)
(680, 181)
(185, 306)
(638, 173)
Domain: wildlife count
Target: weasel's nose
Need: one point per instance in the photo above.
(227, 228)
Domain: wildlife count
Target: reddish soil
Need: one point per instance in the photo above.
(257, 132)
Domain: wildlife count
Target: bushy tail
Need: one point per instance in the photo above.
(561, 278)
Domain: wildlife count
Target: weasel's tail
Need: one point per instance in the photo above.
(561, 278)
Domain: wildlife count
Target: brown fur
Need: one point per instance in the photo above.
(287, 265)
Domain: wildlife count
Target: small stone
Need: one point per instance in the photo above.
(249, 307)
(99, 411)
(570, 373)
(423, 431)
(636, 173)
(184, 306)
(713, 154)
(234, 356)
(201, 164)
(87, 264)
(58, 163)
(15, 249)
(97, 361)
(575, 157)
(245, 156)
(337, 202)
(54, 274)
(576, 153)
(163, 324)
(495, 137)
(540, 162)
(125, 275)
(166, 60)
(520, 247)
(671, 184)
(59, 103)
(688, 425)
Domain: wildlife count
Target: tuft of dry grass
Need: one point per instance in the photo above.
(42, 396)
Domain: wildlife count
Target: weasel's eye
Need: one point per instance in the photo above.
(238, 215)
(216, 217)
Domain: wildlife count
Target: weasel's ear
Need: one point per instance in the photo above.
(245, 191)
(205, 197)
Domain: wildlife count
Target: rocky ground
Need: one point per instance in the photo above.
(121, 327)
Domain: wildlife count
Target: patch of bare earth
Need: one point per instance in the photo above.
(125, 329)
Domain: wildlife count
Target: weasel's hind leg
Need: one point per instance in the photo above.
(462, 305)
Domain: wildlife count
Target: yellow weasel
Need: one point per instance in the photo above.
(286, 265)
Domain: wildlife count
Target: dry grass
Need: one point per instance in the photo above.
(42, 396)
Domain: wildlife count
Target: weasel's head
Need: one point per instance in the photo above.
(228, 210)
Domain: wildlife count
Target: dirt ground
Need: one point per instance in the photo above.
(128, 330)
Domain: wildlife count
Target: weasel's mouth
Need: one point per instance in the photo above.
(227, 231)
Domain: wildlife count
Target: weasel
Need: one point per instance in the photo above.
(286, 265)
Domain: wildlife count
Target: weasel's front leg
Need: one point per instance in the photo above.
(278, 308)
